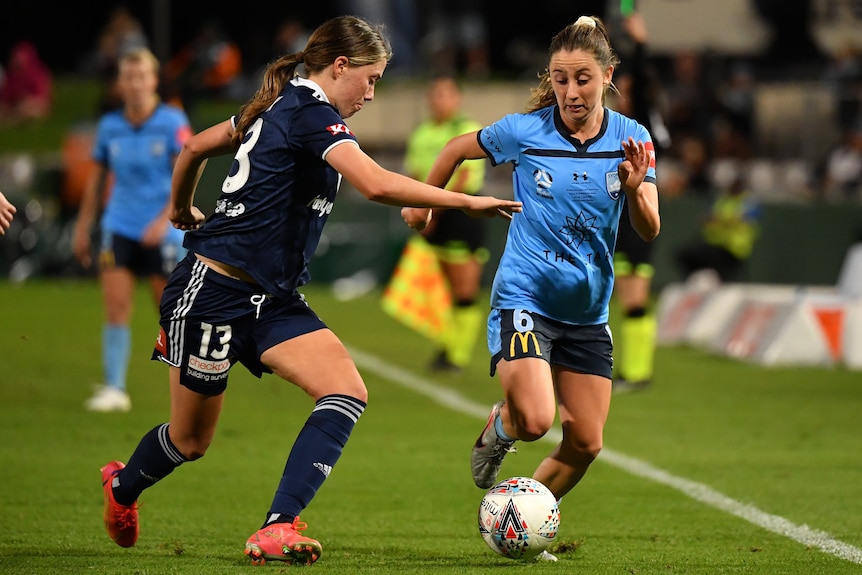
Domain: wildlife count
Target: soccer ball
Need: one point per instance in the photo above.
(519, 517)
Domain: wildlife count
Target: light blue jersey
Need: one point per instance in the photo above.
(141, 161)
(558, 259)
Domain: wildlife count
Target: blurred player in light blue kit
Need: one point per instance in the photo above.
(135, 150)
(576, 163)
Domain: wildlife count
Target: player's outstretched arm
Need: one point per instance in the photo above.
(381, 185)
(214, 141)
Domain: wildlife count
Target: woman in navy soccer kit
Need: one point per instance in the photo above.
(234, 298)
(575, 163)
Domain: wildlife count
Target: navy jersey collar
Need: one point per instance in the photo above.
(566, 133)
(313, 86)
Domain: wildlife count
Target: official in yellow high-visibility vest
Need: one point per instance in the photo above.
(728, 235)
(457, 239)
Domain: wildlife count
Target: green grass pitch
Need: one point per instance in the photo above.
(786, 443)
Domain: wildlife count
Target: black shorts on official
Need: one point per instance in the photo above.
(457, 236)
(632, 255)
(517, 333)
(122, 252)
(210, 321)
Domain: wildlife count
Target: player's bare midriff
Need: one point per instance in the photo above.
(226, 269)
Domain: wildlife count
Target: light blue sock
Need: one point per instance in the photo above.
(116, 343)
(498, 427)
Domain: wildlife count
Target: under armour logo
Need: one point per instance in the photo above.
(575, 176)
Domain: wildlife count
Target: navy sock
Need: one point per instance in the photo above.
(315, 451)
(153, 459)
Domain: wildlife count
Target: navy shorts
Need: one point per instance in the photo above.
(457, 236)
(122, 252)
(210, 321)
(517, 333)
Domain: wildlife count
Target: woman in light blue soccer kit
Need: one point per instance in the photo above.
(574, 163)
(135, 150)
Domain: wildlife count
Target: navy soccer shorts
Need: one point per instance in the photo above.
(632, 255)
(122, 252)
(518, 333)
(210, 321)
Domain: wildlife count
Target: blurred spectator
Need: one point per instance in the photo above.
(792, 49)
(733, 126)
(688, 99)
(290, 38)
(122, 33)
(25, 93)
(401, 21)
(457, 38)
(208, 66)
(844, 76)
(842, 177)
(727, 237)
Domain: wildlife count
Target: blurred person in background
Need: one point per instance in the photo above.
(638, 96)
(26, 87)
(7, 212)
(209, 66)
(235, 297)
(122, 33)
(458, 240)
(727, 237)
(842, 172)
(457, 38)
(135, 150)
(575, 162)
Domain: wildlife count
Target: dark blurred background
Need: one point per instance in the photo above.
(761, 93)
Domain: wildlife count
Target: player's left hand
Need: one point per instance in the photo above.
(490, 207)
(633, 169)
(7, 211)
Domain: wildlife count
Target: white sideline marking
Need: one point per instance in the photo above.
(698, 491)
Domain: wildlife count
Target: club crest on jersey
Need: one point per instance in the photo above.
(336, 129)
(614, 187)
(543, 183)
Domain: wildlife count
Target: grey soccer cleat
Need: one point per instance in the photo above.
(489, 451)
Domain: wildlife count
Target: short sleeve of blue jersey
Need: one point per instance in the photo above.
(500, 139)
(100, 144)
(642, 135)
(180, 129)
(318, 129)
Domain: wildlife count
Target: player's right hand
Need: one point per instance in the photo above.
(190, 218)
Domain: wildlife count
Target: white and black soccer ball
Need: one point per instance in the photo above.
(519, 517)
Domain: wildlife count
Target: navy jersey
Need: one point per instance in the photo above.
(279, 191)
(558, 259)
